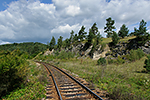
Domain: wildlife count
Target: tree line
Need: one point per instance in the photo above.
(94, 38)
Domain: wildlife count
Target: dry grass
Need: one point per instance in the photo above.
(108, 40)
(128, 75)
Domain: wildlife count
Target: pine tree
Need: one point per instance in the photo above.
(123, 31)
(109, 27)
(82, 34)
(93, 31)
(71, 36)
(115, 38)
(141, 34)
(98, 38)
(75, 39)
(142, 31)
(52, 43)
(59, 43)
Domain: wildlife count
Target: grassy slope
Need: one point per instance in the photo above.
(113, 78)
(108, 40)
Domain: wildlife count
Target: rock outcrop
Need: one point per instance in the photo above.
(122, 48)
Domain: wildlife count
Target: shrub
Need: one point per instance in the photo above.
(110, 61)
(120, 92)
(101, 61)
(65, 55)
(13, 70)
(147, 64)
(120, 60)
(136, 54)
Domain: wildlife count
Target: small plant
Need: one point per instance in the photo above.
(101, 61)
(147, 64)
(120, 60)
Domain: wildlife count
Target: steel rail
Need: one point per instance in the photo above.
(53, 81)
(78, 83)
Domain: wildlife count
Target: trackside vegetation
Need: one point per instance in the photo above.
(127, 81)
(21, 78)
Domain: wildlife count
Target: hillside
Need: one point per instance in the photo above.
(31, 48)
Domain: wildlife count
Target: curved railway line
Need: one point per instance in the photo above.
(63, 86)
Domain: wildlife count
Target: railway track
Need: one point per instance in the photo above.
(62, 86)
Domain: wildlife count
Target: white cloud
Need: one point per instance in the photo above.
(31, 20)
(64, 30)
(3, 42)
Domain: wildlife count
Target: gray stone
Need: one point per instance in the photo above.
(146, 50)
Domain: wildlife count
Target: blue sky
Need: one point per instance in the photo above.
(4, 3)
(39, 20)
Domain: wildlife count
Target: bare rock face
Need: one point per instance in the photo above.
(48, 52)
(100, 53)
(146, 47)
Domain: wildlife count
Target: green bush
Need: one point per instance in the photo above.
(147, 64)
(13, 70)
(136, 54)
(101, 61)
(65, 55)
(110, 61)
(120, 60)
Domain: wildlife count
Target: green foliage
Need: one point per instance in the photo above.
(52, 44)
(98, 38)
(147, 64)
(65, 55)
(142, 36)
(135, 55)
(94, 29)
(59, 43)
(34, 86)
(75, 38)
(13, 70)
(94, 38)
(103, 45)
(29, 49)
(120, 60)
(82, 34)
(101, 61)
(142, 29)
(67, 43)
(115, 38)
(123, 93)
(123, 31)
(109, 27)
(71, 36)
